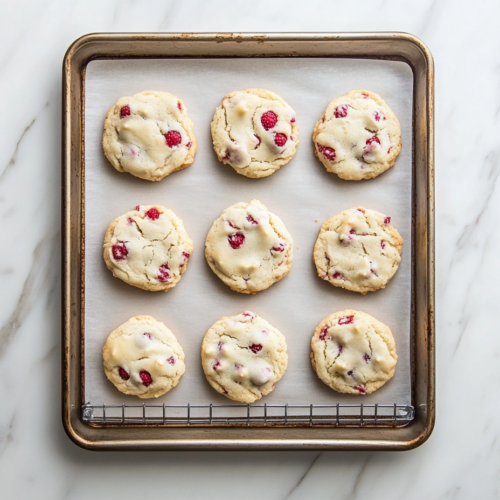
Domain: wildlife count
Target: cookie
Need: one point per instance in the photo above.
(358, 136)
(249, 248)
(142, 357)
(149, 135)
(353, 353)
(243, 357)
(358, 250)
(254, 131)
(148, 248)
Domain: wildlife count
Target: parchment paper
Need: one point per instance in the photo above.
(299, 193)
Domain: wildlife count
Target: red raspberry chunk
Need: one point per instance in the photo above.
(251, 220)
(173, 138)
(366, 358)
(236, 240)
(186, 256)
(125, 111)
(280, 140)
(341, 111)
(345, 320)
(327, 152)
(146, 378)
(387, 220)
(249, 314)
(323, 333)
(152, 214)
(123, 374)
(164, 273)
(337, 275)
(382, 244)
(361, 389)
(119, 250)
(137, 207)
(377, 116)
(269, 120)
(179, 107)
(171, 360)
(189, 144)
(279, 247)
(372, 140)
(216, 365)
(255, 348)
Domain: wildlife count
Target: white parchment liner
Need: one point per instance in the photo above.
(299, 193)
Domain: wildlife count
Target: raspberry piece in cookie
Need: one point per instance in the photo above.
(125, 111)
(356, 356)
(358, 136)
(143, 358)
(280, 140)
(269, 120)
(243, 357)
(173, 138)
(236, 240)
(149, 135)
(249, 248)
(148, 248)
(358, 250)
(119, 251)
(255, 131)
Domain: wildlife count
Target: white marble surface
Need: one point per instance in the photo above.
(462, 458)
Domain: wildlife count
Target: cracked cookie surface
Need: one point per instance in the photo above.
(143, 358)
(353, 353)
(243, 357)
(249, 248)
(358, 136)
(148, 248)
(254, 131)
(358, 250)
(149, 135)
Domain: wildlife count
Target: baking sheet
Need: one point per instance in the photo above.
(299, 193)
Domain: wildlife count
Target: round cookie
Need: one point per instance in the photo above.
(249, 248)
(148, 248)
(358, 250)
(142, 357)
(358, 136)
(243, 357)
(149, 135)
(255, 131)
(353, 353)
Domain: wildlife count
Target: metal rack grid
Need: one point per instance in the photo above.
(250, 415)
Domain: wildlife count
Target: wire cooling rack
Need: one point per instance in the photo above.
(250, 415)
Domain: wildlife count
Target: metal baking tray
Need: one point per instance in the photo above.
(262, 426)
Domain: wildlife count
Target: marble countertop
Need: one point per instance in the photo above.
(462, 458)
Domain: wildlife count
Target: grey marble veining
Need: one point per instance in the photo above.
(462, 458)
